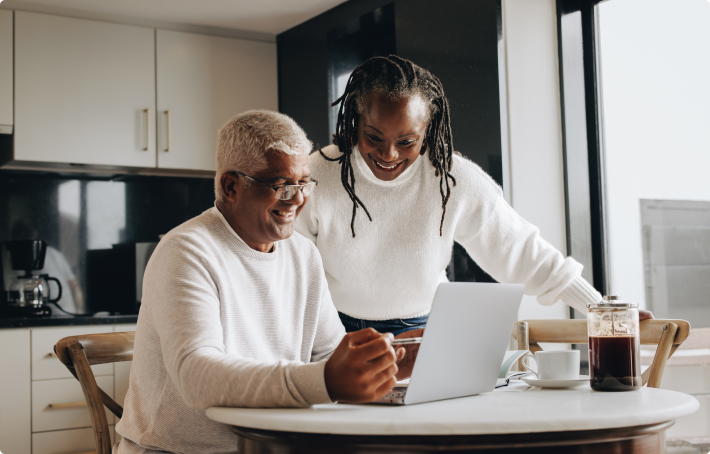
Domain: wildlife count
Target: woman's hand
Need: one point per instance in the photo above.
(406, 361)
(645, 315)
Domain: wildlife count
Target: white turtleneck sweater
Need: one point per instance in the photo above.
(392, 267)
(224, 325)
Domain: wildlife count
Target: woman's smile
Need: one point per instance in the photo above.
(389, 168)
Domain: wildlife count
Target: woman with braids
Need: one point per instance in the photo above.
(393, 196)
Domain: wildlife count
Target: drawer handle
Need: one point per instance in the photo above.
(67, 405)
(167, 121)
(51, 355)
(147, 129)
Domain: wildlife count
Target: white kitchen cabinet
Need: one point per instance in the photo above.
(84, 91)
(66, 441)
(45, 364)
(5, 71)
(15, 416)
(60, 404)
(203, 81)
(29, 382)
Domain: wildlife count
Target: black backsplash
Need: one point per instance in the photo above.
(75, 213)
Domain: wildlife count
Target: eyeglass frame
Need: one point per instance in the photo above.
(276, 188)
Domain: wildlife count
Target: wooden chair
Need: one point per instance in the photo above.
(78, 353)
(667, 334)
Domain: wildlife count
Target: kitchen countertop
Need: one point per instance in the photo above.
(65, 320)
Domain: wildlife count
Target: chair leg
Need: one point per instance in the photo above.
(663, 352)
(102, 434)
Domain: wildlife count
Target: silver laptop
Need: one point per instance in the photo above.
(464, 343)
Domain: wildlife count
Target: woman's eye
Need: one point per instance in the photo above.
(374, 138)
(409, 142)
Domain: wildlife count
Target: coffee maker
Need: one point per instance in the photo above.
(25, 295)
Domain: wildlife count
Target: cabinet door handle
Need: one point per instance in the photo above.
(67, 405)
(147, 129)
(167, 122)
(51, 355)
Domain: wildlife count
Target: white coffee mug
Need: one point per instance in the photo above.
(555, 364)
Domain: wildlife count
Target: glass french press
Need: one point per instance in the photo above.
(613, 328)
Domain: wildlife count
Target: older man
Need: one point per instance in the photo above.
(236, 309)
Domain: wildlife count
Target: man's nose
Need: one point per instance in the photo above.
(296, 199)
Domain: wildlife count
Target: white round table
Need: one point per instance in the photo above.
(519, 417)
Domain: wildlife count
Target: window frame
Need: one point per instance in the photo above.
(582, 139)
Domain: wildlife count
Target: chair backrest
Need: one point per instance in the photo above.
(667, 334)
(78, 354)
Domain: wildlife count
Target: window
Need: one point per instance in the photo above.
(654, 68)
(635, 83)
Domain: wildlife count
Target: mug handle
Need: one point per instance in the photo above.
(526, 366)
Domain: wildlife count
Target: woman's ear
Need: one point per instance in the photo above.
(356, 121)
(424, 145)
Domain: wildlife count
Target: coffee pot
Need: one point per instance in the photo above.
(613, 328)
(27, 294)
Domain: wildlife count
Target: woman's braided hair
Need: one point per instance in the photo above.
(397, 79)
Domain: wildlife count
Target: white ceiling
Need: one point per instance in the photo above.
(265, 16)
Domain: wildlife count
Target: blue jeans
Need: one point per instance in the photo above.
(395, 326)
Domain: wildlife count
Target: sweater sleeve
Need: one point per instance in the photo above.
(182, 303)
(511, 250)
(330, 329)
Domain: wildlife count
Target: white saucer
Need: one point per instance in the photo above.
(532, 381)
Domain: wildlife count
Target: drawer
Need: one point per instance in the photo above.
(63, 392)
(75, 441)
(45, 364)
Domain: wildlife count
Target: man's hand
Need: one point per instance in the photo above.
(406, 364)
(362, 368)
(645, 315)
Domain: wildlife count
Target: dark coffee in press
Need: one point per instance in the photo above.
(613, 363)
(614, 345)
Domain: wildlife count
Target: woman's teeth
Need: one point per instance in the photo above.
(385, 167)
(284, 213)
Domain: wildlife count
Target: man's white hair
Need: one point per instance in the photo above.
(245, 140)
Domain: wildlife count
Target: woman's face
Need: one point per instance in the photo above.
(391, 134)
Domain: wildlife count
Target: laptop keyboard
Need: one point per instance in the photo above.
(396, 396)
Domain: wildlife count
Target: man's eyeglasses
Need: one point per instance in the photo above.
(287, 191)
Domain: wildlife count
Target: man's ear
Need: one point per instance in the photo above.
(230, 186)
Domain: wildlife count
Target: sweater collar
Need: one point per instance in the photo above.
(403, 178)
(241, 243)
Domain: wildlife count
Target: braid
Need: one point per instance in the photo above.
(397, 78)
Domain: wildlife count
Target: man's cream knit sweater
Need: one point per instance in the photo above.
(224, 325)
(392, 267)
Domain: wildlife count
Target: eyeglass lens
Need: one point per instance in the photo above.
(289, 191)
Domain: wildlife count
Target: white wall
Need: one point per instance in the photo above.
(534, 119)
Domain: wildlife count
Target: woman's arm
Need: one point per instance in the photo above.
(511, 250)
